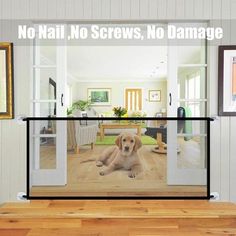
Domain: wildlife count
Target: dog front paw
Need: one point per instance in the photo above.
(132, 174)
(99, 164)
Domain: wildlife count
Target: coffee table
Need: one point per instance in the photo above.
(104, 126)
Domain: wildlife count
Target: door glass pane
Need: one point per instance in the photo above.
(43, 127)
(45, 109)
(45, 83)
(191, 152)
(191, 146)
(190, 88)
(191, 127)
(47, 153)
(197, 88)
(192, 83)
(194, 53)
(45, 52)
(194, 109)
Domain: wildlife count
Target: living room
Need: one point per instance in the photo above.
(120, 70)
(36, 89)
(124, 82)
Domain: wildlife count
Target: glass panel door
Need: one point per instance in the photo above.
(48, 137)
(187, 70)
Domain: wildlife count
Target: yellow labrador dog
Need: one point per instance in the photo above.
(124, 155)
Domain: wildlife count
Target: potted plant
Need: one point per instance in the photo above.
(81, 105)
(119, 111)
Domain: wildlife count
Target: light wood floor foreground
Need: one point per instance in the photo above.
(117, 218)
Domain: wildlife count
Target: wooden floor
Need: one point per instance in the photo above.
(117, 218)
(84, 178)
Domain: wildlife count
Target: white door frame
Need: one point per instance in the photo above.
(57, 176)
(175, 175)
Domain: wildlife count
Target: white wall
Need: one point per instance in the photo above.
(79, 91)
(12, 136)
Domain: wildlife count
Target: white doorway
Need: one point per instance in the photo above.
(48, 137)
(84, 67)
(187, 88)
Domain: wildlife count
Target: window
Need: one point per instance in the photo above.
(193, 93)
(192, 90)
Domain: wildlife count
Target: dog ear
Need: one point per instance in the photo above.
(118, 141)
(138, 143)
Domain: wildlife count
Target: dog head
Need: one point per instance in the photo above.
(128, 143)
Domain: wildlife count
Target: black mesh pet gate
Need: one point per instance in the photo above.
(103, 158)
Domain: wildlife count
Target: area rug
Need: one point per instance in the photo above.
(110, 140)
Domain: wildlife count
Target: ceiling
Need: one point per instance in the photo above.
(117, 62)
(121, 63)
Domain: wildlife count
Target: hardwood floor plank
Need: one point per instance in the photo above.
(117, 218)
(45, 223)
(77, 232)
(14, 232)
(122, 209)
(28, 204)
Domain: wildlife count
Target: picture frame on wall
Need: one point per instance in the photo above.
(227, 81)
(154, 95)
(99, 96)
(6, 81)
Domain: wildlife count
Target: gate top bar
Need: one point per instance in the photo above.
(118, 118)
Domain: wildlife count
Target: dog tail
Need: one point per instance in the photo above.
(88, 160)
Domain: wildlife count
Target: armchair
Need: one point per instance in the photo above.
(78, 134)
